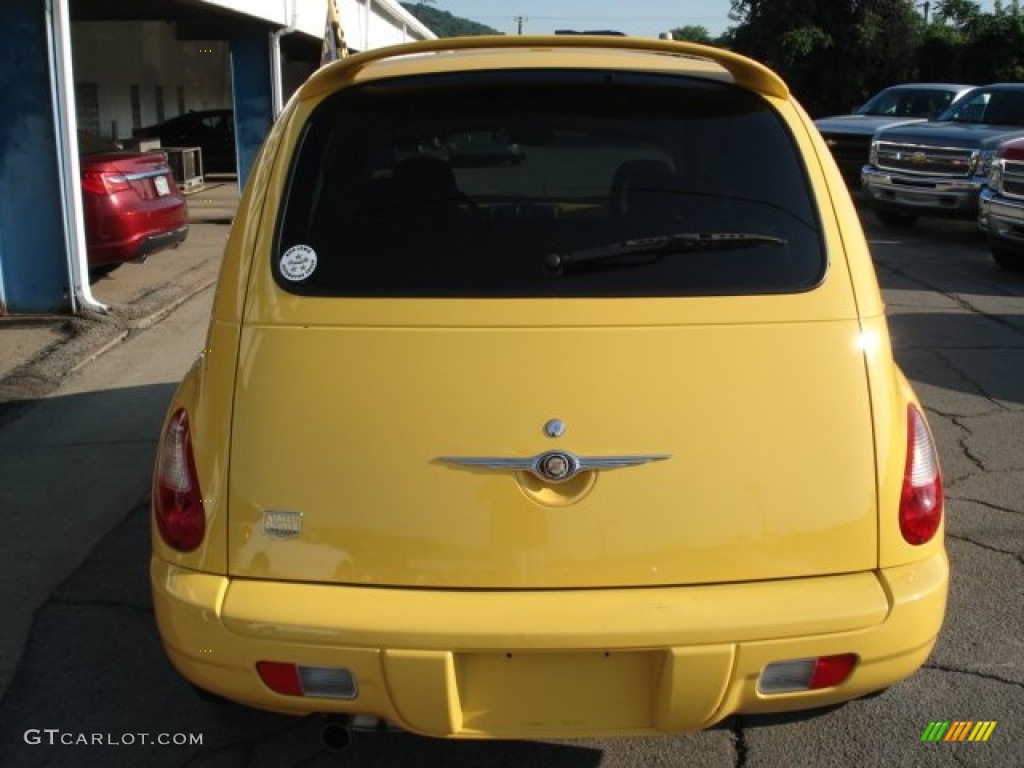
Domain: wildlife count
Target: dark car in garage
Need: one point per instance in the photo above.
(212, 130)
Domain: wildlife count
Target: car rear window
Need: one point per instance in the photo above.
(546, 184)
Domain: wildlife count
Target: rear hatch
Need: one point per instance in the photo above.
(410, 347)
(769, 472)
(147, 174)
(108, 170)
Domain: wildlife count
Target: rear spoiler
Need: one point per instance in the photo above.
(746, 72)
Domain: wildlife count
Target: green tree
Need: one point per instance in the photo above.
(994, 49)
(832, 54)
(940, 54)
(692, 34)
(444, 24)
(957, 13)
(963, 44)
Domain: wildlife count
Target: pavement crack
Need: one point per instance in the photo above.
(965, 449)
(981, 545)
(956, 298)
(972, 673)
(966, 378)
(739, 742)
(983, 503)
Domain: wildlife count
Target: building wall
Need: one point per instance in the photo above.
(112, 57)
(387, 22)
(117, 56)
(33, 261)
(374, 24)
(39, 271)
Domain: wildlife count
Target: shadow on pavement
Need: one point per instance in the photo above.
(960, 351)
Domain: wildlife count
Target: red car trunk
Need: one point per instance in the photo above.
(132, 206)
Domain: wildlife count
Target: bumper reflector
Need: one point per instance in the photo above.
(297, 680)
(806, 674)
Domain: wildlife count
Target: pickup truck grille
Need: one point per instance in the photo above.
(848, 150)
(1012, 183)
(920, 160)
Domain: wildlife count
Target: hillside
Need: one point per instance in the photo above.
(443, 24)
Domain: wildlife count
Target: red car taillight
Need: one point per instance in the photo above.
(921, 498)
(104, 182)
(177, 501)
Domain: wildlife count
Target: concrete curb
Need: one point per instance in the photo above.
(87, 339)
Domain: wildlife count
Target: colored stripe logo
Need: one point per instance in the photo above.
(958, 730)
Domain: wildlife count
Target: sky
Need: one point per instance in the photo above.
(644, 18)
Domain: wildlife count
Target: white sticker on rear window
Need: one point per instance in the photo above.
(298, 263)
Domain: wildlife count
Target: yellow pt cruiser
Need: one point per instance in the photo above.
(547, 393)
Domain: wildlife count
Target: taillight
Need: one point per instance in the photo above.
(811, 674)
(103, 183)
(177, 501)
(280, 677)
(300, 680)
(921, 498)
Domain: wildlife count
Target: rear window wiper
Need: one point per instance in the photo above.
(660, 246)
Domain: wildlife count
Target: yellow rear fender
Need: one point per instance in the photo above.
(205, 397)
(892, 397)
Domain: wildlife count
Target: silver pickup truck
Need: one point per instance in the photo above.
(939, 168)
(1001, 212)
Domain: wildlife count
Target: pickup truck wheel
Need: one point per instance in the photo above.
(1008, 259)
(895, 218)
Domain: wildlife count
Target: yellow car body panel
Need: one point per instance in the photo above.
(476, 602)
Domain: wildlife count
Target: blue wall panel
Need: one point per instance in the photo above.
(250, 82)
(33, 261)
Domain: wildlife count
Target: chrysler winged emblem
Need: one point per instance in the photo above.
(552, 466)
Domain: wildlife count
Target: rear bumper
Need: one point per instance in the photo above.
(550, 664)
(137, 247)
(887, 190)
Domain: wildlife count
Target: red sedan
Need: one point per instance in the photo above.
(132, 204)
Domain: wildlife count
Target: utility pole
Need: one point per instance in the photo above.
(519, 21)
